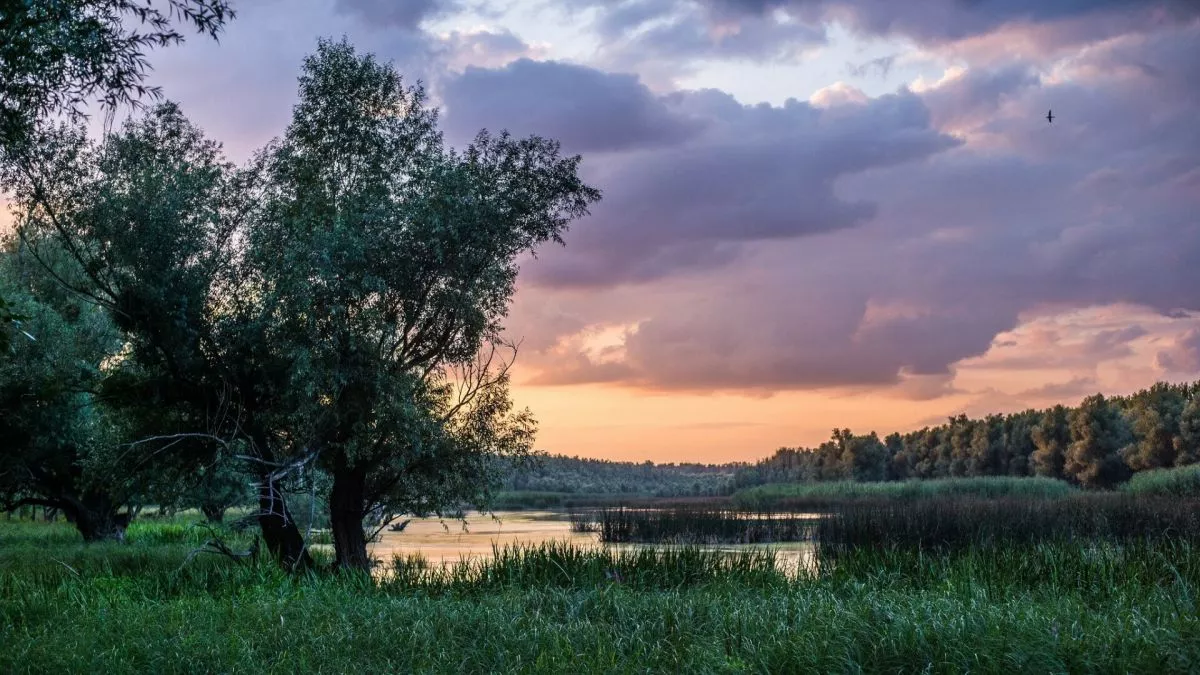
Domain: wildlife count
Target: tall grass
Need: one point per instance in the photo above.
(808, 496)
(1051, 607)
(1178, 482)
(562, 565)
(962, 524)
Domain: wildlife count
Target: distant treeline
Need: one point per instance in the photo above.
(576, 475)
(1098, 444)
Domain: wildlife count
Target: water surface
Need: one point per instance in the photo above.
(449, 541)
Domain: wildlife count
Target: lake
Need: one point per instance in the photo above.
(448, 541)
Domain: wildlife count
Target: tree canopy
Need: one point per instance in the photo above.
(1097, 444)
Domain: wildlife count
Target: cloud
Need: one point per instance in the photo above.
(588, 110)
(481, 48)
(1075, 389)
(403, 14)
(682, 30)
(856, 246)
(1182, 355)
(674, 34)
(755, 173)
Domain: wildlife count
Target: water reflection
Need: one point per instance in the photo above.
(449, 542)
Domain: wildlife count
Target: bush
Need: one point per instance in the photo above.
(1178, 482)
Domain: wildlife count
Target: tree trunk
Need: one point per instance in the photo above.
(213, 513)
(279, 530)
(346, 520)
(101, 525)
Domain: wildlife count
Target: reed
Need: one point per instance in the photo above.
(1178, 482)
(815, 496)
(692, 525)
(960, 524)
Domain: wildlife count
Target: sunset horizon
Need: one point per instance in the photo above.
(814, 215)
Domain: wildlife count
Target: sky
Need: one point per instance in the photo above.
(816, 213)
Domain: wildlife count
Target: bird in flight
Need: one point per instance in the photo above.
(1050, 116)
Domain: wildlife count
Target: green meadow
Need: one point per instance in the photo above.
(1113, 602)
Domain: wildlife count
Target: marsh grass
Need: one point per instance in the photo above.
(1053, 606)
(562, 565)
(1177, 482)
(692, 525)
(979, 523)
(820, 495)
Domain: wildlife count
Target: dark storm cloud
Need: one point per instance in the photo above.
(586, 109)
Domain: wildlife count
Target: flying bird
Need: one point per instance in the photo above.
(1050, 116)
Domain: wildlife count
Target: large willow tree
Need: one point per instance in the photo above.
(392, 261)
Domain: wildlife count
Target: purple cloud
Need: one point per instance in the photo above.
(403, 14)
(588, 110)
(755, 173)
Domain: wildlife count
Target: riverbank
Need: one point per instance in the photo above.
(67, 607)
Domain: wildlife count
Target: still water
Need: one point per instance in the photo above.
(449, 541)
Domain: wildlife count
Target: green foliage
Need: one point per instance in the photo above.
(61, 441)
(1097, 444)
(56, 56)
(10, 324)
(1180, 482)
(576, 475)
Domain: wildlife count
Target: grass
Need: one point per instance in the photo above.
(1178, 482)
(1049, 606)
(807, 496)
(962, 524)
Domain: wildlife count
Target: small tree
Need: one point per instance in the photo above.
(59, 440)
(1098, 433)
(1051, 436)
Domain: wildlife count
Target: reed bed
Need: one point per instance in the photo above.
(1178, 482)
(821, 495)
(980, 524)
(693, 525)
